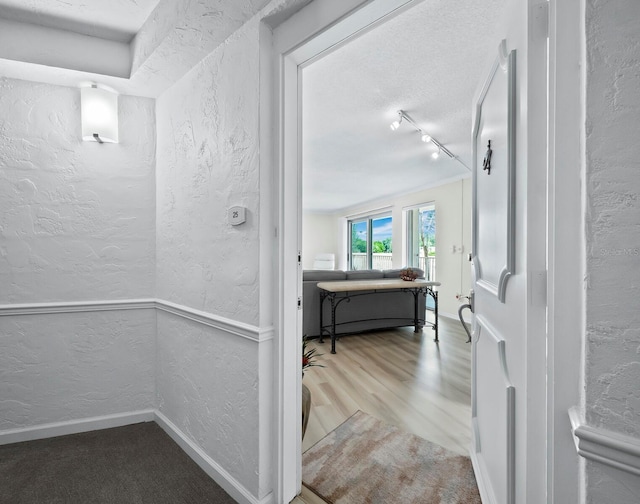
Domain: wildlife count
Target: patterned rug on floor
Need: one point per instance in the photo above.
(367, 461)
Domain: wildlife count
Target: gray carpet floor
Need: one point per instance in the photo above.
(135, 464)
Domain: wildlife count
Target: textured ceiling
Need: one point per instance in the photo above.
(427, 61)
(160, 39)
(111, 19)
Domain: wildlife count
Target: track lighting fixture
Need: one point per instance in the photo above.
(424, 136)
(396, 124)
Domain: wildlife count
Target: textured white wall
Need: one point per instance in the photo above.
(77, 223)
(207, 385)
(321, 234)
(179, 33)
(208, 162)
(612, 368)
(55, 368)
(77, 219)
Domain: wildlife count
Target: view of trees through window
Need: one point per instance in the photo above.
(427, 234)
(421, 239)
(370, 243)
(360, 244)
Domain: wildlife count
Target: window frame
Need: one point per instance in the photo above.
(368, 218)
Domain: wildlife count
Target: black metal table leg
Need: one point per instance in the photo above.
(416, 321)
(434, 294)
(322, 296)
(333, 324)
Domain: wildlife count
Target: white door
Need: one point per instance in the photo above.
(508, 266)
(496, 313)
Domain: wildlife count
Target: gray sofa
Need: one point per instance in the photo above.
(382, 310)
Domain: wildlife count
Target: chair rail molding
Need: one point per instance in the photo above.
(75, 306)
(247, 331)
(606, 447)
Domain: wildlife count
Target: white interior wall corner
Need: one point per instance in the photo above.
(209, 159)
(118, 196)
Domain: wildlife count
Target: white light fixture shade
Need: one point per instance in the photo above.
(394, 125)
(435, 155)
(425, 138)
(99, 115)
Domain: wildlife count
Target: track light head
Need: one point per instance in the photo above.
(424, 136)
(396, 124)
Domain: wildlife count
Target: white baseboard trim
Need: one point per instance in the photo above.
(609, 448)
(75, 426)
(484, 486)
(208, 465)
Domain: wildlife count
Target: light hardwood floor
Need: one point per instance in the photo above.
(398, 376)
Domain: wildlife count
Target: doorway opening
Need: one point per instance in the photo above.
(361, 184)
(298, 56)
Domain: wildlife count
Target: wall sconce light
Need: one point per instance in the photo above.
(99, 114)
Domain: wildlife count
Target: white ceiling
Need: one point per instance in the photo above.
(137, 47)
(427, 61)
(110, 19)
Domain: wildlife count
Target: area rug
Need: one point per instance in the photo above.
(367, 461)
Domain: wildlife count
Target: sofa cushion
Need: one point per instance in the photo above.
(395, 273)
(323, 275)
(365, 275)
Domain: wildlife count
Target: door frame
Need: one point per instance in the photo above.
(313, 32)
(323, 26)
(566, 247)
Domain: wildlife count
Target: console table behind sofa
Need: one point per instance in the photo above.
(373, 312)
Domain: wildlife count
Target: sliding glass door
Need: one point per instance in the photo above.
(359, 245)
(370, 245)
(421, 239)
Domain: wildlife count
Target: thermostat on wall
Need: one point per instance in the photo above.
(237, 215)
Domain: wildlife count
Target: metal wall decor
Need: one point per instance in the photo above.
(493, 233)
(486, 164)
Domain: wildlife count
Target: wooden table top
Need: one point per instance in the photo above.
(375, 284)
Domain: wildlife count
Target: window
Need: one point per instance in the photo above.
(421, 239)
(370, 245)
